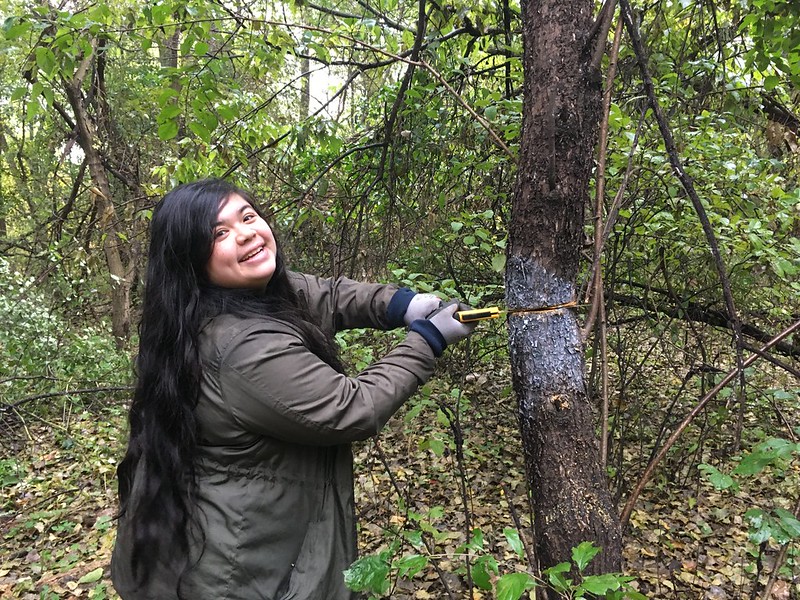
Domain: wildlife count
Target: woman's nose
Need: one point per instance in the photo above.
(244, 233)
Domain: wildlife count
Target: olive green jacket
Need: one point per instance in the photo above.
(275, 470)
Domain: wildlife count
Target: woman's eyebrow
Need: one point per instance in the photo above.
(244, 208)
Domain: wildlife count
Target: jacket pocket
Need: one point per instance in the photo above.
(317, 572)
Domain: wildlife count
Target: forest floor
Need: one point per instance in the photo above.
(685, 540)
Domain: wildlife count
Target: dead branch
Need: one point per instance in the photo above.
(733, 373)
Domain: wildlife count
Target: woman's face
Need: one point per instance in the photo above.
(243, 253)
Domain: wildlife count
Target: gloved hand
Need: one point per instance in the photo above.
(452, 330)
(420, 307)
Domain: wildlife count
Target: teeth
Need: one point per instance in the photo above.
(252, 254)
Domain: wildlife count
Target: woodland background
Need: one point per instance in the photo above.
(381, 136)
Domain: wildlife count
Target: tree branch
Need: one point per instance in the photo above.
(688, 186)
(648, 472)
(27, 399)
(687, 310)
(596, 281)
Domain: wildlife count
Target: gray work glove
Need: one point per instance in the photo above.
(420, 307)
(452, 329)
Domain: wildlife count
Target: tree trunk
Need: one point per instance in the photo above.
(562, 97)
(120, 273)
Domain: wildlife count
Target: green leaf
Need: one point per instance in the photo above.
(160, 12)
(583, 553)
(165, 95)
(764, 455)
(33, 108)
(499, 262)
(209, 119)
(12, 28)
(48, 95)
(170, 111)
(719, 480)
(45, 60)
(788, 522)
(368, 574)
(512, 537)
(18, 93)
(168, 130)
(771, 82)
(761, 526)
(434, 445)
(227, 112)
(482, 569)
(753, 463)
(513, 585)
(200, 131)
(415, 538)
(186, 44)
(410, 565)
(555, 575)
(600, 584)
(92, 576)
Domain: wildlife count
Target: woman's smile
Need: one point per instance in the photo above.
(244, 249)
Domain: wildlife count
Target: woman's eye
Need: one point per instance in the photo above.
(249, 217)
(219, 233)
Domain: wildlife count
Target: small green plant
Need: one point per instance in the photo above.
(775, 456)
(10, 472)
(374, 574)
(613, 586)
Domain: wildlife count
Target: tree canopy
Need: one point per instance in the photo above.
(383, 137)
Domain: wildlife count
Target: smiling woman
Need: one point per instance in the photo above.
(237, 482)
(244, 249)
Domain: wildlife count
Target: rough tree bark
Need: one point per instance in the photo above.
(120, 270)
(562, 98)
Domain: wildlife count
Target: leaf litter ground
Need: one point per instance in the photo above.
(685, 540)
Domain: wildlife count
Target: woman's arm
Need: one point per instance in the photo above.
(273, 385)
(346, 304)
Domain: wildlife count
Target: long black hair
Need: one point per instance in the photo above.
(157, 481)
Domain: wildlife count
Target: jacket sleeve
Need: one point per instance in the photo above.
(346, 304)
(275, 386)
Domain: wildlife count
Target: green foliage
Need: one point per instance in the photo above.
(778, 458)
(375, 573)
(398, 182)
(41, 354)
(772, 26)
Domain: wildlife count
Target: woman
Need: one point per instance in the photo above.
(237, 482)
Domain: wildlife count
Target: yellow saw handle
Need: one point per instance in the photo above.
(477, 314)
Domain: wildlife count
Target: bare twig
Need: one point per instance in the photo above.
(775, 361)
(648, 472)
(688, 185)
(780, 559)
(428, 547)
(484, 123)
(687, 310)
(596, 285)
(66, 393)
(275, 141)
(529, 553)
